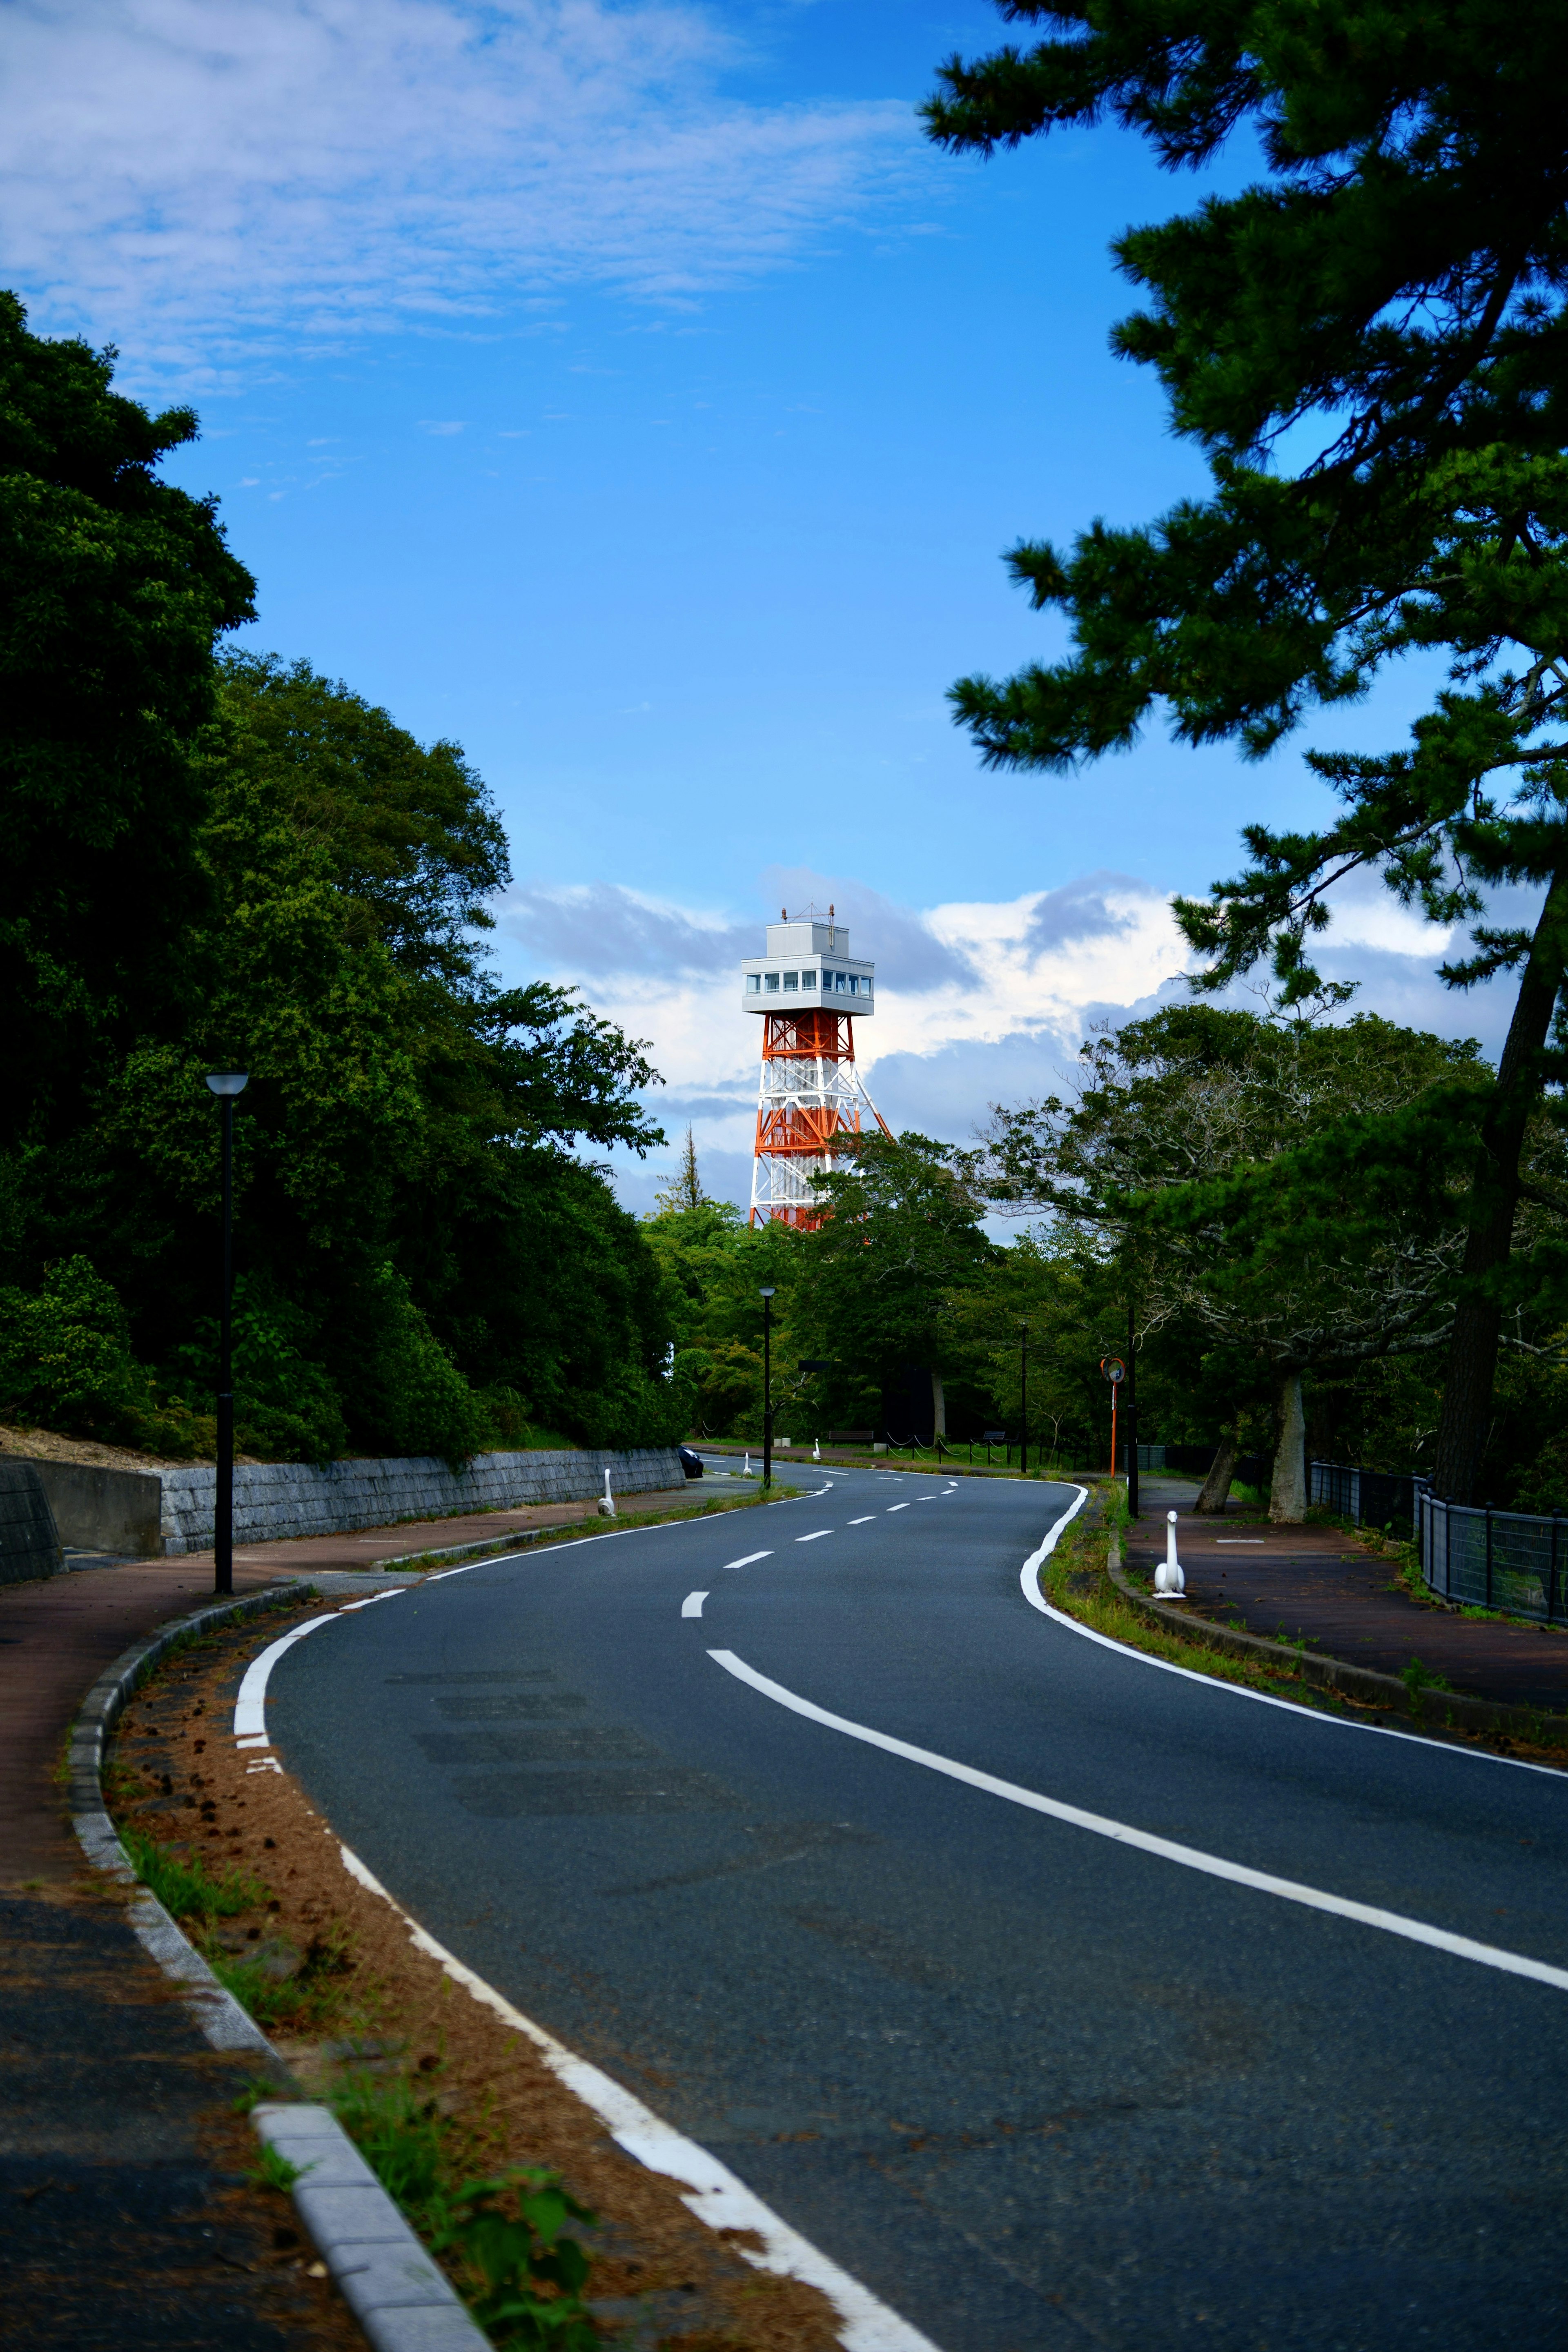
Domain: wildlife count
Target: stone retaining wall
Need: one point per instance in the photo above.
(171, 1511)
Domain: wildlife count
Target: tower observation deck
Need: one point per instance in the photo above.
(809, 991)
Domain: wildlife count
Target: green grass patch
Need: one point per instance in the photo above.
(185, 1890)
(502, 2236)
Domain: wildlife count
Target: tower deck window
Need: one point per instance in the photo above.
(771, 980)
(792, 980)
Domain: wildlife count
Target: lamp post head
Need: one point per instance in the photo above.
(228, 1082)
(766, 1291)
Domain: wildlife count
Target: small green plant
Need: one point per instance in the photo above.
(1418, 1678)
(251, 2093)
(403, 2136)
(275, 2170)
(310, 1999)
(509, 2258)
(185, 1888)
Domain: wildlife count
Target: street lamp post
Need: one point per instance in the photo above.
(1131, 1410)
(1024, 1399)
(767, 1388)
(226, 1085)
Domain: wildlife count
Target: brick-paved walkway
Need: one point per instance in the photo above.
(1316, 1584)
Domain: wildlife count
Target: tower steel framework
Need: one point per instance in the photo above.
(812, 1100)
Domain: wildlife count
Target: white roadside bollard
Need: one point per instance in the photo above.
(747, 1471)
(1169, 1581)
(816, 1449)
(607, 1500)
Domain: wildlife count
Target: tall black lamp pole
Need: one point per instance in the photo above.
(226, 1085)
(1023, 1398)
(767, 1388)
(1131, 1410)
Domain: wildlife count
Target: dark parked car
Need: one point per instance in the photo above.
(690, 1462)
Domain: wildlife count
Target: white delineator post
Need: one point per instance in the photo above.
(1169, 1580)
(817, 1449)
(607, 1500)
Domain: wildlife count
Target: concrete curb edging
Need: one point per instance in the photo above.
(1457, 1708)
(400, 2297)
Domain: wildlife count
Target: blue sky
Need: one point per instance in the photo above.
(631, 393)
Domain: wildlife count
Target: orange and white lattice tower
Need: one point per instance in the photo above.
(812, 1100)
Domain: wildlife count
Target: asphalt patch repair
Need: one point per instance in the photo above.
(349, 2001)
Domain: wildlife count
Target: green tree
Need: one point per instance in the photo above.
(1368, 345)
(877, 1276)
(424, 1261)
(114, 589)
(1283, 1189)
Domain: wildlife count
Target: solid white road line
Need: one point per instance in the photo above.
(1029, 1577)
(1212, 1865)
(692, 1604)
(816, 1536)
(711, 2189)
(865, 1522)
(749, 1558)
(250, 1706)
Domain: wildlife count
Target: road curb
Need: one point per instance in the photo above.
(1427, 1709)
(401, 2300)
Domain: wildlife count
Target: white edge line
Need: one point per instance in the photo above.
(711, 2190)
(250, 1706)
(1211, 1865)
(1029, 1577)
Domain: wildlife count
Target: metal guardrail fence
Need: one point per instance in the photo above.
(1482, 1559)
(1371, 1497)
(1471, 1555)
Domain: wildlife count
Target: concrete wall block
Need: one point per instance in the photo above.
(273, 1500)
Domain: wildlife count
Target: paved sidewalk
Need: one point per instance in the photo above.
(126, 2221)
(1316, 1584)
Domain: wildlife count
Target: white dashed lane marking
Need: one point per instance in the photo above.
(865, 1522)
(816, 1536)
(749, 1559)
(692, 1604)
(894, 1506)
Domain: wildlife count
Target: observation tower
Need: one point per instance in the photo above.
(810, 992)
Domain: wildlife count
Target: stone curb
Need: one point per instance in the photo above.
(400, 2297)
(1459, 1711)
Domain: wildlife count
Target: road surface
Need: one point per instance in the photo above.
(1033, 2084)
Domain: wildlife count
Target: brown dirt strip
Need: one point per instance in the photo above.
(661, 2278)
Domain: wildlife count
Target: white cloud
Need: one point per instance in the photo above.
(975, 1001)
(978, 1001)
(192, 174)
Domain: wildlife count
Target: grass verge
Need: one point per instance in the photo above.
(1076, 1582)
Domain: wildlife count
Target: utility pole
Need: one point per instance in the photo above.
(1024, 1399)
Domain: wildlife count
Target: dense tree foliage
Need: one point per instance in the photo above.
(254, 868)
(1256, 1189)
(1368, 345)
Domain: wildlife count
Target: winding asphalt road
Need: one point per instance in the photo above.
(1034, 2087)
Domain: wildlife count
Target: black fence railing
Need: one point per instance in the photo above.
(1470, 1555)
(1372, 1499)
(1481, 1558)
